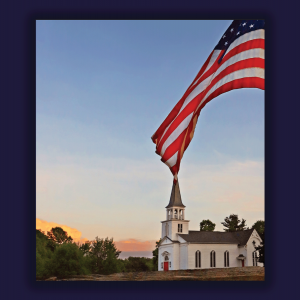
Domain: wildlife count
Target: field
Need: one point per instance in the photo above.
(221, 274)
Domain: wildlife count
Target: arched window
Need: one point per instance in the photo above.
(198, 259)
(175, 214)
(226, 258)
(254, 258)
(166, 258)
(212, 259)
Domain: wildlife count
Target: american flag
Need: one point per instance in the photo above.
(236, 62)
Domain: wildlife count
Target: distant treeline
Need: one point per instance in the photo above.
(58, 255)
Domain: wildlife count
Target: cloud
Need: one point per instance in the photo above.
(135, 245)
(73, 232)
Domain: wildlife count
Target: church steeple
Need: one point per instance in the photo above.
(175, 208)
(175, 199)
(175, 222)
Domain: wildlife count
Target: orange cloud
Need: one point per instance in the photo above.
(135, 245)
(73, 232)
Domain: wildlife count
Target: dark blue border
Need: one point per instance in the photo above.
(17, 128)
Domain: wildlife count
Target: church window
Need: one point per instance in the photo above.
(179, 227)
(162, 265)
(166, 258)
(212, 259)
(198, 259)
(175, 214)
(170, 264)
(226, 258)
(254, 258)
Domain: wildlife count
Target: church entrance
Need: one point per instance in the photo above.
(166, 266)
(166, 263)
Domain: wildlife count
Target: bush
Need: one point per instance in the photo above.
(67, 260)
(43, 255)
(138, 264)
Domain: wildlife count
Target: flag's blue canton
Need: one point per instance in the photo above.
(235, 30)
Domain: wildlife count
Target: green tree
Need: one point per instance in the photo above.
(155, 256)
(58, 236)
(232, 223)
(67, 260)
(207, 225)
(85, 248)
(100, 250)
(43, 255)
(259, 226)
(137, 264)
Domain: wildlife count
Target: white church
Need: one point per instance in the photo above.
(181, 248)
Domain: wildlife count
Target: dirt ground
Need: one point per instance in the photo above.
(222, 274)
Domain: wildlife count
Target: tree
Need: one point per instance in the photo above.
(261, 249)
(67, 260)
(259, 226)
(85, 248)
(137, 264)
(43, 255)
(232, 223)
(100, 250)
(57, 236)
(155, 256)
(207, 225)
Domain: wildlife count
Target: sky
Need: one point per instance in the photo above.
(103, 88)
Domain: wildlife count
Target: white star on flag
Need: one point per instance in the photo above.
(251, 25)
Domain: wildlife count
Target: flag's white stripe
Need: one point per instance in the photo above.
(175, 134)
(211, 62)
(252, 53)
(258, 52)
(165, 131)
(253, 35)
(172, 161)
(248, 72)
(198, 89)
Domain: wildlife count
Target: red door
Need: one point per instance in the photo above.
(166, 266)
(242, 263)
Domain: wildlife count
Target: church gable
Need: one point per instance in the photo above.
(166, 241)
(254, 237)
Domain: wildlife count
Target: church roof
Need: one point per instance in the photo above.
(218, 237)
(175, 199)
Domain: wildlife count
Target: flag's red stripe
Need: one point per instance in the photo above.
(257, 43)
(247, 63)
(177, 107)
(173, 148)
(253, 44)
(183, 114)
(246, 82)
(254, 82)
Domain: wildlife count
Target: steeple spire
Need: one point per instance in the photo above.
(175, 199)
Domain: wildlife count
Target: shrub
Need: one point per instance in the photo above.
(67, 260)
